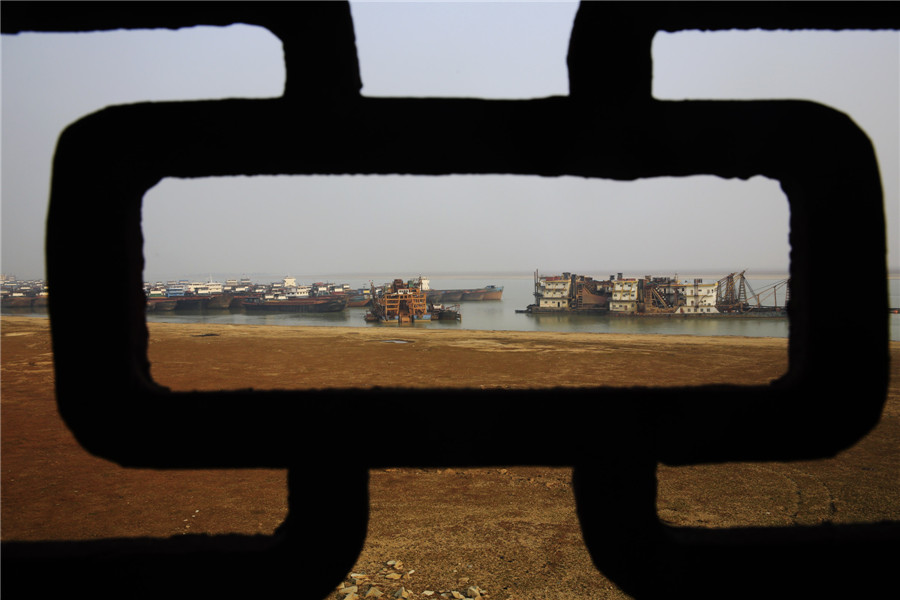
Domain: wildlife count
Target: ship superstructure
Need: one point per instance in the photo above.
(569, 292)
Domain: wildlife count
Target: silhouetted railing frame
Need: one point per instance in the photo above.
(609, 127)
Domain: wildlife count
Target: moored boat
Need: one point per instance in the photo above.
(191, 302)
(442, 312)
(650, 296)
(310, 304)
(450, 295)
(18, 301)
(493, 292)
(489, 292)
(399, 302)
(361, 299)
(219, 301)
(162, 303)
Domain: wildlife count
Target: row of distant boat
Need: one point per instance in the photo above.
(289, 296)
(286, 295)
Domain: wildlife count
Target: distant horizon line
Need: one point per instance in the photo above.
(456, 274)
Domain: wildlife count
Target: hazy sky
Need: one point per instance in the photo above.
(293, 225)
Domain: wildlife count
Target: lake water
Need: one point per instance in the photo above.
(517, 294)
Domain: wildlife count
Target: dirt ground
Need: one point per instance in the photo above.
(510, 531)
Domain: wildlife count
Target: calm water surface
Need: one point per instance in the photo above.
(517, 294)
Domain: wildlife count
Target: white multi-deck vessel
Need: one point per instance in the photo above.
(656, 296)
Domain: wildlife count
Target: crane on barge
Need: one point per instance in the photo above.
(735, 294)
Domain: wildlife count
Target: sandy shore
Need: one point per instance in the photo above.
(224, 356)
(511, 531)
